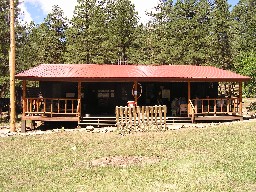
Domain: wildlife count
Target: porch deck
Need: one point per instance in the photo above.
(67, 109)
(50, 109)
(215, 109)
(45, 118)
(219, 118)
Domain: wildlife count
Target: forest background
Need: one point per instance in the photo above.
(197, 32)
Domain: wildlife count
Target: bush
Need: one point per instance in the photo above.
(252, 106)
(245, 64)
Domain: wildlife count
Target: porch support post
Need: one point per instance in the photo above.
(189, 93)
(240, 99)
(135, 92)
(23, 126)
(79, 97)
(24, 101)
(24, 105)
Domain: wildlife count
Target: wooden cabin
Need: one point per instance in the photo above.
(71, 92)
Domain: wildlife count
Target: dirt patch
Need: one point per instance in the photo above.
(120, 161)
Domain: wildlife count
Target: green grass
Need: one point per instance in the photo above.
(219, 158)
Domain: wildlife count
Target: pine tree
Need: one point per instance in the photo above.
(156, 46)
(5, 43)
(87, 34)
(122, 27)
(189, 29)
(50, 35)
(181, 31)
(142, 48)
(44, 43)
(220, 35)
(244, 28)
(244, 42)
(28, 48)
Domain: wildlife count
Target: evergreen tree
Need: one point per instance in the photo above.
(51, 39)
(28, 48)
(244, 42)
(244, 28)
(142, 49)
(87, 34)
(189, 30)
(44, 43)
(160, 40)
(122, 27)
(181, 32)
(5, 42)
(4, 39)
(220, 35)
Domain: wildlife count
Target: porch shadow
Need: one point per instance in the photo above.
(44, 126)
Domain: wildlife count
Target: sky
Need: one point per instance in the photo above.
(37, 10)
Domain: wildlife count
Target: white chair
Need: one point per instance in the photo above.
(183, 109)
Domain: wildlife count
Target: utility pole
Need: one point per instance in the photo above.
(12, 69)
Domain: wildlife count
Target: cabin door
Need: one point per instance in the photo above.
(99, 99)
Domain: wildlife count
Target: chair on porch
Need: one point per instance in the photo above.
(183, 109)
(175, 107)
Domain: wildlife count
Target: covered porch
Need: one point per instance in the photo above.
(81, 96)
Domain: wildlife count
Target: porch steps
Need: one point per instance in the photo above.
(111, 121)
(172, 120)
(97, 121)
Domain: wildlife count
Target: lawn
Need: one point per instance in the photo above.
(218, 158)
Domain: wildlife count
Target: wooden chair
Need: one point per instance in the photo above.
(183, 109)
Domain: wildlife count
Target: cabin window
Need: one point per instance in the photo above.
(106, 93)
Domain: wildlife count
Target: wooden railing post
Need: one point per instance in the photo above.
(189, 95)
(126, 115)
(117, 117)
(79, 95)
(51, 107)
(165, 112)
(215, 106)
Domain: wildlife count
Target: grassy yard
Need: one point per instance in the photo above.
(219, 158)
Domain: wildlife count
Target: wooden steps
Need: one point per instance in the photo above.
(111, 121)
(172, 120)
(97, 121)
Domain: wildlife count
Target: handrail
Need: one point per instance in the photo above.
(60, 106)
(191, 107)
(192, 111)
(216, 105)
(48, 98)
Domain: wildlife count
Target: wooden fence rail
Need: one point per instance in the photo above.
(216, 105)
(51, 106)
(141, 117)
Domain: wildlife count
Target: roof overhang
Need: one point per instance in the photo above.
(129, 73)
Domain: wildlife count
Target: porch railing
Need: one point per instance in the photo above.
(216, 105)
(192, 111)
(51, 106)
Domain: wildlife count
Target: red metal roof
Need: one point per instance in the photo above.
(95, 72)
